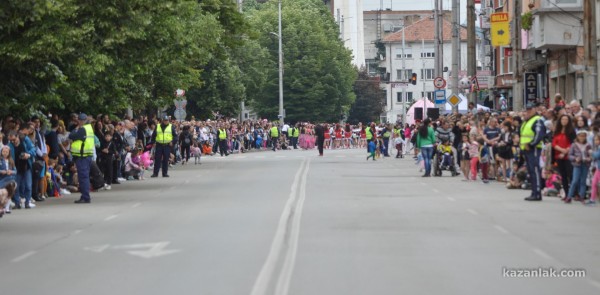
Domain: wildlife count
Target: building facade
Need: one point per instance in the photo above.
(348, 14)
(417, 56)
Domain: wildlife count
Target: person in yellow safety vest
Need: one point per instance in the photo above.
(370, 132)
(222, 135)
(274, 133)
(82, 150)
(163, 138)
(532, 134)
(293, 134)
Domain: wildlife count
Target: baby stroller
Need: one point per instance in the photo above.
(443, 160)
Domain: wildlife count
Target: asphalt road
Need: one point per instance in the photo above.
(293, 223)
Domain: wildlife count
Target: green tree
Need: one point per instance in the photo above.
(370, 99)
(318, 74)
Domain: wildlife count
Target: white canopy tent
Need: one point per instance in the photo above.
(410, 114)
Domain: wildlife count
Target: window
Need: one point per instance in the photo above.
(505, 62)
(428, 52)
(409, 97)
(428, 94)
(427, 74)
(407, 52)
(400, 77)
(372, 67)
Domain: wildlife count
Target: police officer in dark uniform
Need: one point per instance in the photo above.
(163, 138)
(532, 134)
(82, 149)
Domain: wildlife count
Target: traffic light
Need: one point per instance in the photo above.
(413, 79)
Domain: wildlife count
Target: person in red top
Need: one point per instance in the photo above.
(338, 136)
(363, 137)
(561, 142)
(347, 135)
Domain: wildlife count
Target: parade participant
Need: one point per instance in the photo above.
(82, 150)
(320, 133)
(163, 138)
(532, 134)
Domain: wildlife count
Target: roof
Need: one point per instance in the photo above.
(424, 30)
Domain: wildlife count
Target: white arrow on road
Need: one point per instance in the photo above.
(153, 249)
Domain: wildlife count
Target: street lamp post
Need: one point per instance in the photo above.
(281, 115)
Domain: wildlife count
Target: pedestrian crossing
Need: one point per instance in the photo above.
(277, 157)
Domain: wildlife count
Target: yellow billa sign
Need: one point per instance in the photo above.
(500, 29)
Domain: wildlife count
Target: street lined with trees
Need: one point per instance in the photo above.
(76, 55)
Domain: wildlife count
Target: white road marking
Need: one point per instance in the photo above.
(451, 199)
(77, 231)
(136, 205)
(280, 157)
(542, 254)
(472, 211)
(153, 249)
(24, 256)
(110, 217)
(501, 229)
(435, 191)
(292, 213)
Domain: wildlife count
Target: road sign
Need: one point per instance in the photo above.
(180, 114)
(454, 100)
(439, 82)
(531, 88)
(440, 96)
(500, 29)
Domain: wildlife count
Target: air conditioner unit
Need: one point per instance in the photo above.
(387, 28)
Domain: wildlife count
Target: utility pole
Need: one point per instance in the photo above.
(439, 43)
(590, 77)
(455, 48)
(518, 94)
(404, 78)
(281, 115)
(423, 77)
(471, 64)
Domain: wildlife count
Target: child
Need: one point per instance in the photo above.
(484, 160)
(196, 153)
(372, 150)
(465, 158)
(445, 149)
(553, 183)
(474, 156)
(580, 157)
(133, 165)
(596, 178)
(107, 153)
(517, 178)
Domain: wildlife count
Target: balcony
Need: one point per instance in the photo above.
(557, 25)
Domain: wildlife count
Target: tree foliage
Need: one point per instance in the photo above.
(318, 73)
(370, 99)
(106, 56)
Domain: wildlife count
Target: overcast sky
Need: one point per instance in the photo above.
(413, 5)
